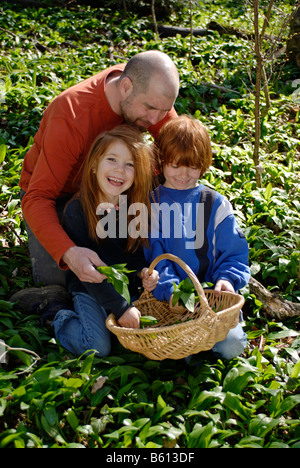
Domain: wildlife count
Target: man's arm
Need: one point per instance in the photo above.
(55, 164)
(47, 182)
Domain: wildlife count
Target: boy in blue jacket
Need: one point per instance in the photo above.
(195, 223)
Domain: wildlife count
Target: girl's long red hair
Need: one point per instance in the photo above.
(90, 192)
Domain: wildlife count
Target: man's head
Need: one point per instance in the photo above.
(149, 86)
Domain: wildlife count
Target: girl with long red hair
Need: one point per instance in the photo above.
(118, 167)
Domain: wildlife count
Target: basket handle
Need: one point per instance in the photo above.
(189, 272)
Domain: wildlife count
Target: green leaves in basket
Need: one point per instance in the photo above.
(147, 321)
(186, 295)
(117, 276)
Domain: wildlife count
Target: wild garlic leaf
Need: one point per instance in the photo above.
(147, 321)
(117, 276)
(185, 295)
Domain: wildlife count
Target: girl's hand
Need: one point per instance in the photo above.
(223, 285)
(130, 318)
(149, 281)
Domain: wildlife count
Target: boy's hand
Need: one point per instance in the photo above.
(149, 281)
(130, 318)
(223, 285)
(177, 309)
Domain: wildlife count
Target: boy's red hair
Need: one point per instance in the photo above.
(184, 141)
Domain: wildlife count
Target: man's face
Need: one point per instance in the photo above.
(145, 109)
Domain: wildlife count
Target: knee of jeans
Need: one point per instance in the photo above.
(101, 349)
(100, 342)
(77, 340)
(233, 345)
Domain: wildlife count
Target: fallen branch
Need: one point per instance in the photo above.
(4, 349)
(172, 31)
(273, 306)
(230, 31)
(222, 89)
(34, 3)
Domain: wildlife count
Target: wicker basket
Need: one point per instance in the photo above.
(177, 336)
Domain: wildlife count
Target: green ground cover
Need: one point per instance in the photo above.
(51, 399)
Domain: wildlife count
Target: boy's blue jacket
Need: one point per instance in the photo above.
(198, 226)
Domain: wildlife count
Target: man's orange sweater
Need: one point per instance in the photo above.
(52, 166)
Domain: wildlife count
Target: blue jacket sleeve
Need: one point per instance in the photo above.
(231, 254)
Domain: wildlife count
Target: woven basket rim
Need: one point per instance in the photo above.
(206, 321)
(186, 324)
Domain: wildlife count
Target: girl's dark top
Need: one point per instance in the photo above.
(111, 251)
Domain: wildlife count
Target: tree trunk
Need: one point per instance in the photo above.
(154, 16)
(273, 306)
(293, 44)
(259, 66)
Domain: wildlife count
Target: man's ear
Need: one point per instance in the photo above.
(126, 87)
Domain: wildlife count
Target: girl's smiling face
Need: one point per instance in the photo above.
(180, 177)
(115, 171)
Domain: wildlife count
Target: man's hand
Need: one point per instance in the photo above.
(82, 262)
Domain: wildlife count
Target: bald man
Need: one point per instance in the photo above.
(141, 93)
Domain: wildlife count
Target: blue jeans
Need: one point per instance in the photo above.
(83, 329)
(233, 345)
(44, 267)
